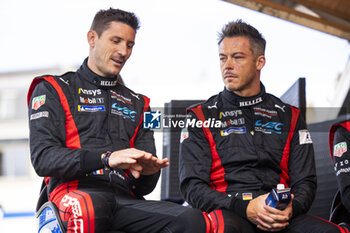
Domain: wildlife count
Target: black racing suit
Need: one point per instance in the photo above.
(339, 143)
(73, 119)
(250, 145)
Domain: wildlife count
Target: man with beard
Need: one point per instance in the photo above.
(228, 170)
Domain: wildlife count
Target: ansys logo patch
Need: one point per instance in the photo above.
(152, 120)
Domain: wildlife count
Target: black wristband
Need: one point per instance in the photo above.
(105, 159)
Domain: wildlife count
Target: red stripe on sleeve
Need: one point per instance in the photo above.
(32, 87)
(217, 171)
(72, 136)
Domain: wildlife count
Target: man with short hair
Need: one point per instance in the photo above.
(339, 141)
(229, 169)
(87, 139)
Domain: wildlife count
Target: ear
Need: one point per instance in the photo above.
(260, 62)
(91, 38)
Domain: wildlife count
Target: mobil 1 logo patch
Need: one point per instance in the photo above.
(152, 120)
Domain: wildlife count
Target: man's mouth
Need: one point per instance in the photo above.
(118, 61)
(229, 75)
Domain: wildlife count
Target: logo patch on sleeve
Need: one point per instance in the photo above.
(38, 102)
(184, 135)
(247, 196)
(98, 172)
(304, 137)
(340, 149)
(39, 115)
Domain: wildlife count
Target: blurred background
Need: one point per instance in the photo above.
(175, 58)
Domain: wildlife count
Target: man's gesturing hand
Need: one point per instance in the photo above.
(139, 162)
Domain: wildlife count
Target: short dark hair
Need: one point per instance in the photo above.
(103, 18)
(240, 28)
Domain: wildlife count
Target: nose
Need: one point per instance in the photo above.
(228, 65)
(122, 49)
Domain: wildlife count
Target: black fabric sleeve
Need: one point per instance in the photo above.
(49, 154)
(194, 173)
(91, 160)
(341, 161)
(301, 167)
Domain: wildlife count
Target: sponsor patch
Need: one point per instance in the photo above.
(123, 111)
(304, 137)
(184, 135)
(91, 100)
(340, 149)
(89, 92)
(108, 83)
(282, 108)
(234, 113)
(117, 174)
(39, 115)
(152, 120)
(341, 166)
(236, 130)
(239, 121)
(38, 102)
(121, 98)
(213, 106)
(247, 196)
(73, 203)
(268, 127)
(84, 108)
(265, 112)
(65, 81)
(250, 102)
(342, 170)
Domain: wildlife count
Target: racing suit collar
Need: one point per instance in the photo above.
(90, 76)
(240, 101)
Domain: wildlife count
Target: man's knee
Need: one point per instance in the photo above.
(305, 222)
(86, 211)
(224, 221)
(190, 221)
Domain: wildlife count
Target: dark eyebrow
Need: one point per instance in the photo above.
(234, 54)
(238, 53)
(119, 38)
(116, 37)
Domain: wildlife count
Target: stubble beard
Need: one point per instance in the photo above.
(241, 86)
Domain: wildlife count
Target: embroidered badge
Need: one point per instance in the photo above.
(340, 149)
(38, 102)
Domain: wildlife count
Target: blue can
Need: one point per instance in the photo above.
(279, 197)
